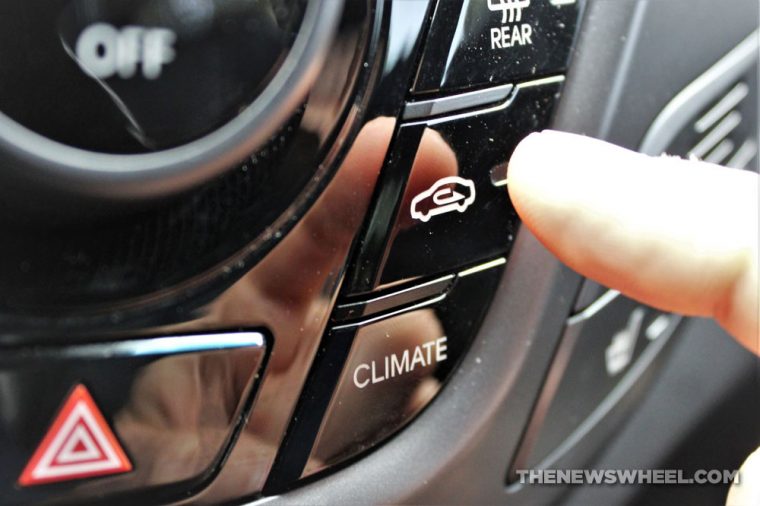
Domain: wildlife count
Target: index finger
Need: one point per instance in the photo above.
(679, 235)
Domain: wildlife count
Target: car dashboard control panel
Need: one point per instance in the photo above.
(246, 243)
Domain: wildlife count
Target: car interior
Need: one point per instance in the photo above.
(263, 251)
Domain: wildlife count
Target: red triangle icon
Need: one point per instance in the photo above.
(79, 444)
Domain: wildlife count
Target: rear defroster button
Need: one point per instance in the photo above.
(491, 42)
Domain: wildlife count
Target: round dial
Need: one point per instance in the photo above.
(133, 98)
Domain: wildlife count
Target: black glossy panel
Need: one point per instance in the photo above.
(174, 404)
(458, 450)
(396, 366)
(130, 76)
(371, 378)
(486, 42)
(366, 260)
(291, 293)
(599, 346)
(455, 209)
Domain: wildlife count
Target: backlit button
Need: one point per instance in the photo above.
(475, 43)
(79, 444)
(455, 209)
(397, 365)
(374, 376)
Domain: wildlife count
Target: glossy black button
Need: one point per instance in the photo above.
(371, 378)
(604, 351)
(135, 76)
(455, 209)
(474, 43)
(151, 418)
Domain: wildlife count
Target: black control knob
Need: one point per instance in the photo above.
(134, 98)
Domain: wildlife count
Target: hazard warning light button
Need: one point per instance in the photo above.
(79, 444)
(133, 421)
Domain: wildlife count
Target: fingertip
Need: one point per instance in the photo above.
(523, 158)
(673, 233)
(541, 155)
(526, 157)
(535, 172)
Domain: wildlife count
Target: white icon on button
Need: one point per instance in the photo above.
(619, 353)
(511, 9)
(514, 34)
(449, 194)
(658, 327)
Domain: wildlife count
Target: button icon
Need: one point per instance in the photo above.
(509, 8)
(448, 194)
(658, 327)
(79, 444)
(510, 35)
(619, 353)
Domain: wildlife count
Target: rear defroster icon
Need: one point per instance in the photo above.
(511, 10)
(449, 194)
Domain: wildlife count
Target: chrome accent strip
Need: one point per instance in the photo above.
(435, 107)
(174, 345)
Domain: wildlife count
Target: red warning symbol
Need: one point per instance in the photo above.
(79, 444)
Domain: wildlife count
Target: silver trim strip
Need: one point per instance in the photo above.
(541, 82)
(428, 108)
(399, 293)
(596, 306)
(174, 345)
(409, 309)
(495, 108)
(423, 303)
(483, 267)
(695, 97)
(186, 344)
